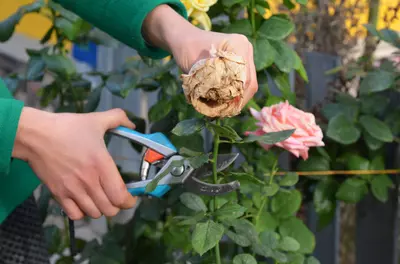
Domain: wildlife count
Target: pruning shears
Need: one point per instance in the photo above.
(174, 168)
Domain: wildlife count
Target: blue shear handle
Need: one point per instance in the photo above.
(156, 141)
(158, 192)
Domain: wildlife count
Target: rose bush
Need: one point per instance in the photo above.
(257, 224)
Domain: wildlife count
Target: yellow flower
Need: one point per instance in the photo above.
(188, 5)
(197, 10)
(202, 18)
(202, 5)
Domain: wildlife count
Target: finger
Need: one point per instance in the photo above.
(113, 185)
(87, 205)
(102, 202)
(116, 117)
(71, 209)
(252, 87)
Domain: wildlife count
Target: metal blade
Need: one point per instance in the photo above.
(223, 162)
(203, 188)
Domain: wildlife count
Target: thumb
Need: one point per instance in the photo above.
(116, 117)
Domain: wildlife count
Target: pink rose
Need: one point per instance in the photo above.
(284, 116)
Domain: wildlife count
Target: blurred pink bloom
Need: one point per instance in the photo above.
(284, 116)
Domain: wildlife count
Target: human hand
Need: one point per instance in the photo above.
(68, 153)
(196, 46)
(166, 29)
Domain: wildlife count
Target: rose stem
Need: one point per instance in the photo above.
(215, 178)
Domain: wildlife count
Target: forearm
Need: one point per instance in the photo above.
(166, 29)
(32, 125)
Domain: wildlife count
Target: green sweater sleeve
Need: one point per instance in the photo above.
(122, 19)
(10, 111)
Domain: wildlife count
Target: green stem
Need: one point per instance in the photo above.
(265, 199)
(215, 179)
(252, 16)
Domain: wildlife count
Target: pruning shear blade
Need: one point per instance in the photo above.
(162, 153)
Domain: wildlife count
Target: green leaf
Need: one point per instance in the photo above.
(11, 83)
(323, 153)
(120, 84)
(300, 67)
(286, 57)
(93, 100)
(260, 10)
(270, 239)
(240, 240)
(263, 3)
(241, 26)
(192, 220)
(390, 36)
(356, 162)
(372, 143)
(342, 130)
(296, 258)
(374, 103)
(376, 81)
(312, 260)
(376, 128)
(352, 190)
(188, 127)
(385, 34)
(169, 84)
(245, 228)
(289, 244)
(230, 211)
(189, 153)
(290, 179)
(8, 25)
(314, 163)
(272, 99)
(289, 4)
(160, 110)
(302, 2)
(35, 68)
(257, 199)
(46, 37)
(193, 201)
(206, 236)
(286, 203)
(151, 186)
(266, 222)
(224, 131)
(69, 28)
(244, 259)
(230, 3)
(281, 79)
(53, 238)
(264, 53)
(324, 197)
(193, 142)
(276, 28)
(198, 161)
(271, 189)
(296, 229)
(270, 138)
(380, 185)
(246, 177)
(59, 64)
(333, 109)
